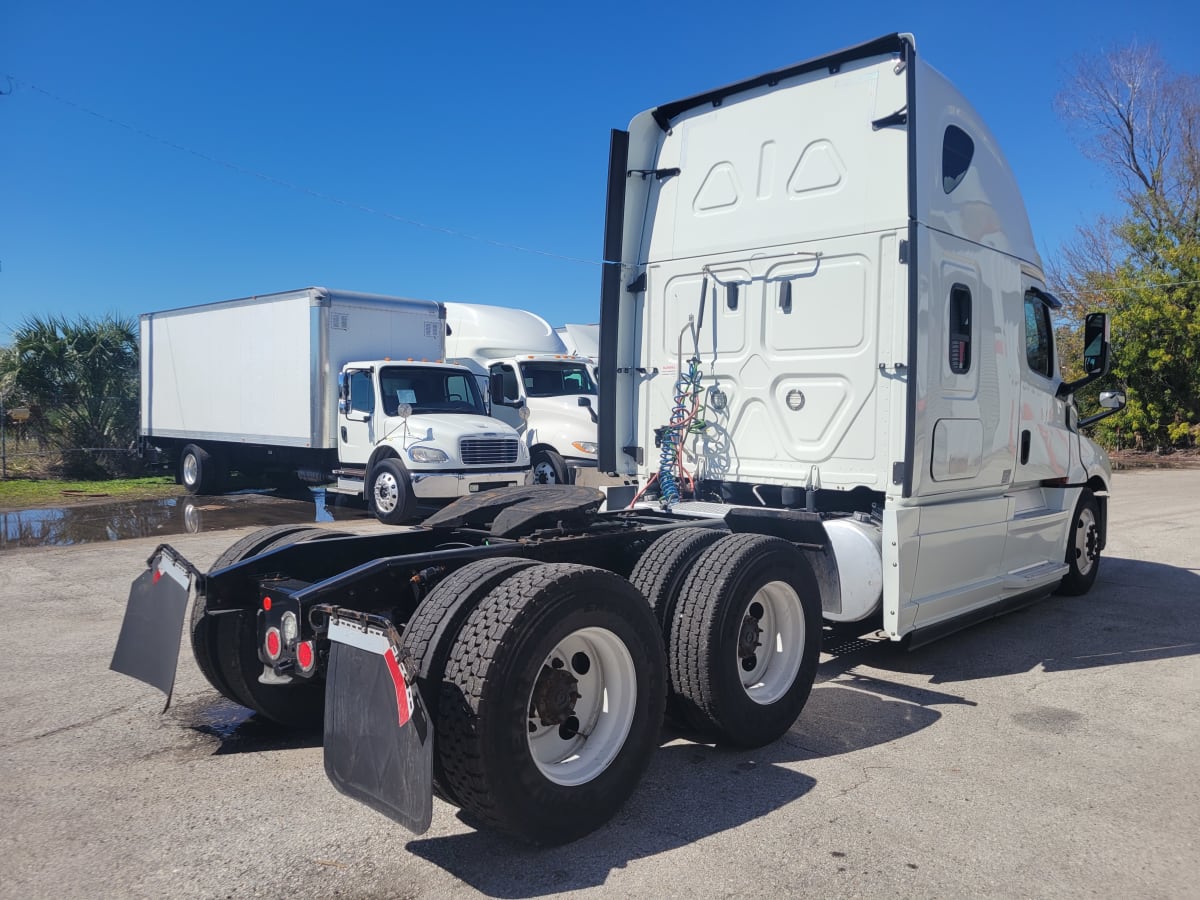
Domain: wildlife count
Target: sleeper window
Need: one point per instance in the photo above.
(957, 150)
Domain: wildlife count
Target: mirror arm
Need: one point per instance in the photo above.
(1091, 420)
(1067, 388)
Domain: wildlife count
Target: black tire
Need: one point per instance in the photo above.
(486, 708)
(660, 572)
(390, 492)
(231, 643)
(430, 634)
(1083, 547)
(203, 628)
(714, 623)
(200, 472)
(549, 467)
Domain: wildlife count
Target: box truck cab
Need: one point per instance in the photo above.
(825, 295)
(412, 433)
(535, 385)
(340, 388)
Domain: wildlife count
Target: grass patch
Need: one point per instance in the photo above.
(30, 493)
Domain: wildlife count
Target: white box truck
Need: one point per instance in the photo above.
(535, 384)
(342, 388)
(827, 356)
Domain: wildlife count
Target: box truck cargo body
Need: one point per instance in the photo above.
(296, 381)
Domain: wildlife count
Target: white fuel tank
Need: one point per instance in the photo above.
(858, 549)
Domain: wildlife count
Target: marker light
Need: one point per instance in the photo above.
(273, 643)
(267, 603)
(306, 658)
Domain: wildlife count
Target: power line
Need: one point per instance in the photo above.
(279, 182)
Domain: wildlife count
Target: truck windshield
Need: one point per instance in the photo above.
(554, 379)
(429, 390)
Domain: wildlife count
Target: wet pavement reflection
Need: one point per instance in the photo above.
(173, 515)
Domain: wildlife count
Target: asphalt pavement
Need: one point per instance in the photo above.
(1054, 752)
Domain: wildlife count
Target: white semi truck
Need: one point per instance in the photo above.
(535, 384)
(827, 357)
(343, 389)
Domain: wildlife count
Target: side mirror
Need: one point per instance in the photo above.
(587, 401)
(496, 389)
(1095, 344)
(1111, 401)
(1096, 356)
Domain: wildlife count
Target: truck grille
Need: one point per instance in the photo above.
(488, 451)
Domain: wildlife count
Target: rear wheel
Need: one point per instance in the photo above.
(390, 492)
(430, 634)
(232, 647)
(200, 472)
(552, 702)
(746, 639)
(203, 628)
(1083, 547)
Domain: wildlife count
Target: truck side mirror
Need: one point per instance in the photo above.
(1111, 401)
(1095, 344)
(1096, 356)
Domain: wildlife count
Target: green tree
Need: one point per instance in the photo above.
(80, 379)
(1141, 122)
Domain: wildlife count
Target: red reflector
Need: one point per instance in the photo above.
(403, 704)
(274, 645)
(304, 654)
(267, 603)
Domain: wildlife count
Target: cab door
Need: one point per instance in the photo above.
(356, 416)
(1043, 436)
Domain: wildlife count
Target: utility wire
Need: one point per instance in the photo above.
(279, 182)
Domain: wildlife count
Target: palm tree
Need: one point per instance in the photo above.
(80, 379)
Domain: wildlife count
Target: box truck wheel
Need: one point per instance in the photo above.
(229, 642)
(552, 703)
(548, 467)
(390, 492)
(200, 472)
(745, 639)
(1083, 547)
(430, 634)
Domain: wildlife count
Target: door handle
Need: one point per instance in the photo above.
(1024, 447)
(344, 440)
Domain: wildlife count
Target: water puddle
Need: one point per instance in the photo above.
(236, 729)
(173, 515)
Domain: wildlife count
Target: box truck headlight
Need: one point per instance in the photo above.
(584, 446)
(426, 455)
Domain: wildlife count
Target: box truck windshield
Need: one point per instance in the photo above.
(430, 391)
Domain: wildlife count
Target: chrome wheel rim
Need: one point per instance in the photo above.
(1086, 538)
(386, 492)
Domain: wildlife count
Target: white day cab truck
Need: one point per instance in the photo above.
(827, 357)
(342, 389)
(534, 383)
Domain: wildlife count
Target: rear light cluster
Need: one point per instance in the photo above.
(286, 636)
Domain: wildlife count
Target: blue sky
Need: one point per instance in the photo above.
(144, 145)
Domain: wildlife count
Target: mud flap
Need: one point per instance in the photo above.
(378, 737)
(148, 645)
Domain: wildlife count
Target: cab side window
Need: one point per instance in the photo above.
(511, 390)
(362, 392)
(1039, 339)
